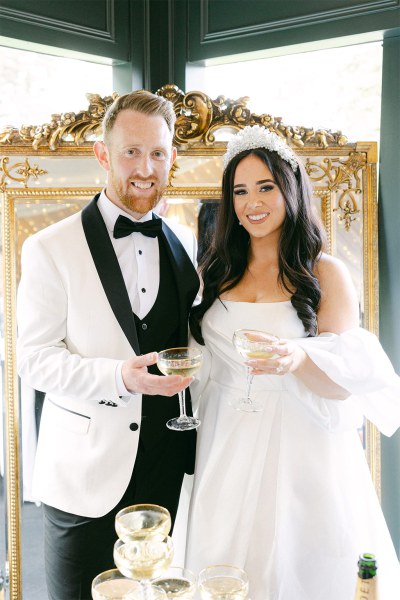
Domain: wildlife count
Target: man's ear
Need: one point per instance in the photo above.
(101, 153)
(174, 154)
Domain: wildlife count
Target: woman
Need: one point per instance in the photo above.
(285, 493)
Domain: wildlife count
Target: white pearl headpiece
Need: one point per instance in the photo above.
(256, 136)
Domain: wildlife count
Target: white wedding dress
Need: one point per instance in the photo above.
(286, 493)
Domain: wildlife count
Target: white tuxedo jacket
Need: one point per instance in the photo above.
(75, 323)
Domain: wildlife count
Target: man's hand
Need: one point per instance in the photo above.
(137, 379)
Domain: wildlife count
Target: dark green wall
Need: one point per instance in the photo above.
(223, 27)
(389, 271)
(158, 43)
(97, 27)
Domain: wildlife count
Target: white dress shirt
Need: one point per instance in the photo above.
(139, 258)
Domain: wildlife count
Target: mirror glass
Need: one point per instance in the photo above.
(48, 177)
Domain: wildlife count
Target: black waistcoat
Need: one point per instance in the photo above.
(162, 452)
(159, 330)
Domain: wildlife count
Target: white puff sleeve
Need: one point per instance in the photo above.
(356, 361)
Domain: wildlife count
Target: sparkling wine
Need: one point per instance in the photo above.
(141, 524)
(252, 344)
(143, 559)
(176, 588)
(184, 361)
(113, 589)
(185, 370)
(223, 588)
(248, 353)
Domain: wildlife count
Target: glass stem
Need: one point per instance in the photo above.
(182, 406)
(248, 387)
(147, 590)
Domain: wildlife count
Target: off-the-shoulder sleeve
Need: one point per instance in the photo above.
(356, 361)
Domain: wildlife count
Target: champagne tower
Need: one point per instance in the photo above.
(366, 588)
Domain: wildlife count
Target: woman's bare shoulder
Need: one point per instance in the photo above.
(331, 271)
(339, 303)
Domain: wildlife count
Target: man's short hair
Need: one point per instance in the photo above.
(141, 101)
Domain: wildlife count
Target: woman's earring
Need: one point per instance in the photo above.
(239, 222)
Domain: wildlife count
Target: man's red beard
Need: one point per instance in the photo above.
(135, 201)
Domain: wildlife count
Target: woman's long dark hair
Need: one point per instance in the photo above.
(301, 241)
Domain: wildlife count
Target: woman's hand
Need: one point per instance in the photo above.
(287, 357)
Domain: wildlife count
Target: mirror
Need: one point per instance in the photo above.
(48, 171)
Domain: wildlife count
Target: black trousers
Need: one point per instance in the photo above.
(79, 548)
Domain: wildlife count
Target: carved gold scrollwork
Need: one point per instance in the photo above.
(195, 118)
(24, 169)
(198, 117)
(172, 93)
(347, 203)
(62, 127)
(344, 176)
(172, 172)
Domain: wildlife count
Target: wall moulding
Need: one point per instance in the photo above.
(213, 32)
(31, 18)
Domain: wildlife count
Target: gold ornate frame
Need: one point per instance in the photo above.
(33, 160)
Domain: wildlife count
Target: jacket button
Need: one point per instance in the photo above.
(133, 426)
(144, 326)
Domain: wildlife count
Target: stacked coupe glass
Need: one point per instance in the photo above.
(143, 555)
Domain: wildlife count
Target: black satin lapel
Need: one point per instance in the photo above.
(187, 280)
(109, 271)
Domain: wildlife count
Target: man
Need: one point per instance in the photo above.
(94, 302)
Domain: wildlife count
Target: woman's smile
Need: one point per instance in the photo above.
(258, 217)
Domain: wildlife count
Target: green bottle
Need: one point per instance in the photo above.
(366, 588)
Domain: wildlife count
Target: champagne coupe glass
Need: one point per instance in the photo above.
(185, 362)
(223, 582)
(252, 344)
(177, 582)
(143, 550)
(112, 585)
(142, 522)
(144, 560)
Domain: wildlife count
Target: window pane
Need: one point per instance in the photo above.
(34, 86)
(337, 88)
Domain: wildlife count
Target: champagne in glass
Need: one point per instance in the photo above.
(142, 521)
(257, 345)
(143, 561)
(112, 585)
(185, 362)
(223, 582)
(177, 582)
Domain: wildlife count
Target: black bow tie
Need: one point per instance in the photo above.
(124, 226)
